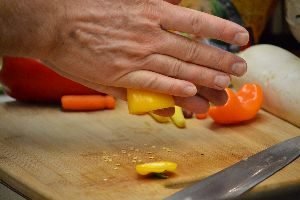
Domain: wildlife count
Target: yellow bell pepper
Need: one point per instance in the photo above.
(156, 167)
(158, 118)
(178, 118)
(140, 101)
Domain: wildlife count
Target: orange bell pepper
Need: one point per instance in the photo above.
(201, 115)
(241, 106)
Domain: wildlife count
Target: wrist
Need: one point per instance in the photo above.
(27, 27)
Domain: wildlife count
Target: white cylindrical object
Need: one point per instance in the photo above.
(278, 72)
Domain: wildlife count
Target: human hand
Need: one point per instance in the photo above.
(113, 45)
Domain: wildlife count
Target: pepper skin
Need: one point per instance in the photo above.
(201, 115)
(158, 118)
(178, 118)
(241, 106)
(29, 80)
(156, 167)
(140, 101)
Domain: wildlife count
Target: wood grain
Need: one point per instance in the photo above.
(49, 154)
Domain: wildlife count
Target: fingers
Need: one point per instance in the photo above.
(201, 54)
(155, 82)
(217, 97)
(200, 102)
(198, 75)
(195, 104)
(202, 24)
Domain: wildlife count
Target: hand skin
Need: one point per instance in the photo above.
(117, 44)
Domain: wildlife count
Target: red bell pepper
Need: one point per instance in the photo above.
(31, 81)
(240, 106)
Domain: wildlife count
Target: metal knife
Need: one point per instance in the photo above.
(242, 176)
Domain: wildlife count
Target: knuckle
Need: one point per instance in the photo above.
(202, 77)
(153, 3)
(192, 53)
(173, 88)
(222, 30)
(146, 62)
(219, 61)
(119, 64)
(153, 41)
(149, 63)
(196, 23)
(175, 69)
(145, 34)
(218, 57)
(151, 83)
(151, 9)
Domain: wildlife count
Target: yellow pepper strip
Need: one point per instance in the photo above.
(158, 118)
(140, 101)
(178, 118)
(155, 167)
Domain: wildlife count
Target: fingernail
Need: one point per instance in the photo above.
(222, 81)
(239, 68)
(190, 90)
(241, 38)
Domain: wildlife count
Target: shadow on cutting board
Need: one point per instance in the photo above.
(285, 193)
(291, 192)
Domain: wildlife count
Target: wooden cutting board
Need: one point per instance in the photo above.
(47, 153)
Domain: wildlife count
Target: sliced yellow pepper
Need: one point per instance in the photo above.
(178, 117)
(155, 167)
(140, 101)
(158, 118)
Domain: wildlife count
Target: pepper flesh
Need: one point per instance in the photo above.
(241, 106)
(141, 101)
(155, 167)
(158, 118)
(178, 118)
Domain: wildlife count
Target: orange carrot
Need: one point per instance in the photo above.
(87, 102)
(201, 115)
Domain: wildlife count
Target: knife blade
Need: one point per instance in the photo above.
(242, 176)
